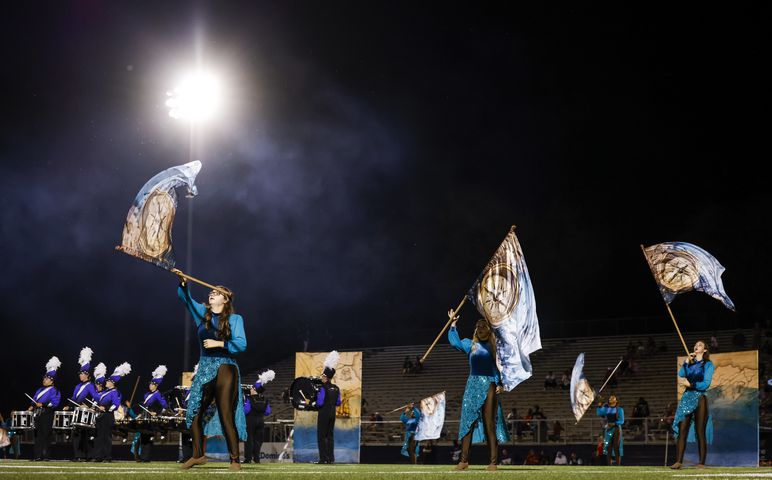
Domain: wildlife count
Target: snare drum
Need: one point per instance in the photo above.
(84, 417)
(63, 420)
(22, 420)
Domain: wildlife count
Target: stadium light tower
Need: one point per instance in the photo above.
(197, 99)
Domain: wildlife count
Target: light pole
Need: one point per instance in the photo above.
(196, 99)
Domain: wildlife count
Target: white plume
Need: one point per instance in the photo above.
(53, 364)
(266, 376)
(122, 369)
(195, 370)
(85, 356)
(159, 372)
(332, 359)
(100, 370)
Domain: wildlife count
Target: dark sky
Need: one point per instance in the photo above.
(374, 156)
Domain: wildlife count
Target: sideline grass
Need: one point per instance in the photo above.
(162, 470)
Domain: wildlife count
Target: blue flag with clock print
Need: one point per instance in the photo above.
(680, 267)
(147, 233)
(503, 294)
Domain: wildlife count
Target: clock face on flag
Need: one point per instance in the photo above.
(498, 293)
(679, 272)
(157, 217)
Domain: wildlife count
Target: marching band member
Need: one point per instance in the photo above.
(480, 407)
(155, 403)
(410, 418)
(613, 445)
(221, 336)
(46, 400)
(107, 402)
(256, 407)
(187, 440)
(325, 421)
(85, 389)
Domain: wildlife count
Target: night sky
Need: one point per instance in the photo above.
(373, 157)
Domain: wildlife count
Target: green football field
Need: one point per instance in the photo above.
(163, 470)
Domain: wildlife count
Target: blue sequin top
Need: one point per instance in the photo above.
(481, 361)
(699, 374)
(234, 346)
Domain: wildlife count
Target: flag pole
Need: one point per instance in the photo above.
(200, 282)
(643, 250)
(609, 377)
(450, 320)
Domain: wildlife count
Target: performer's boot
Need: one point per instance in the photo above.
(462, 465)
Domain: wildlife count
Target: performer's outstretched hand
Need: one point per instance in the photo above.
(499, 389)
(455, 318)
(178, 272)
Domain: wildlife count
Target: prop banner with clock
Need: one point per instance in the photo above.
(503, 294)
(147, 233)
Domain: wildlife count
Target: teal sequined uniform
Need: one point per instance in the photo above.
(615, 418)
(483, 372)
(699, 374)
(209, 364)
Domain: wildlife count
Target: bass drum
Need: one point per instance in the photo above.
(305, 388)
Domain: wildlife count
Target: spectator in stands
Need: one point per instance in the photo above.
(574, 459)
(640, 411)
(651, 346)
(378, 421)
(285, 395)
(633, 367)
(364, 405)
(739, 339)
(565, 380)
(544, 459)
(630, 349)
(455, 452)
(557, 429)
(506, 458)
(372, 420)
(713, 343)
(550, 382)
(407, 365)
(532, 458)
(598, 458)
(480, 408)
(560, 458)
(512, 420)
(667, 416)
(527, 424)
(418, 366)
(639, 349)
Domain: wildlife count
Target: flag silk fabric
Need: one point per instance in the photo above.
(147, 233)
(432, 418)
(682, 267)
(503, 294)
(581, 392)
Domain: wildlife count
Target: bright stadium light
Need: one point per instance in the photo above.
(197, 98)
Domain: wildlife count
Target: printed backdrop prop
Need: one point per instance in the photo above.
(348, 377)
(733, 402)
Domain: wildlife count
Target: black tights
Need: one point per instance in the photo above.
(224, 391)
(700, 422)
(613, 447)
(489, 422)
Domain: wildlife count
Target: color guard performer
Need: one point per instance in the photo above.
(480, 408)
(155, 402)
(84, 390)
(256, 407)
(108, 401)
(410, 417)
(46, 399)
(613, 445)
(221, 337)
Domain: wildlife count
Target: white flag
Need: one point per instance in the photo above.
(432, 417)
